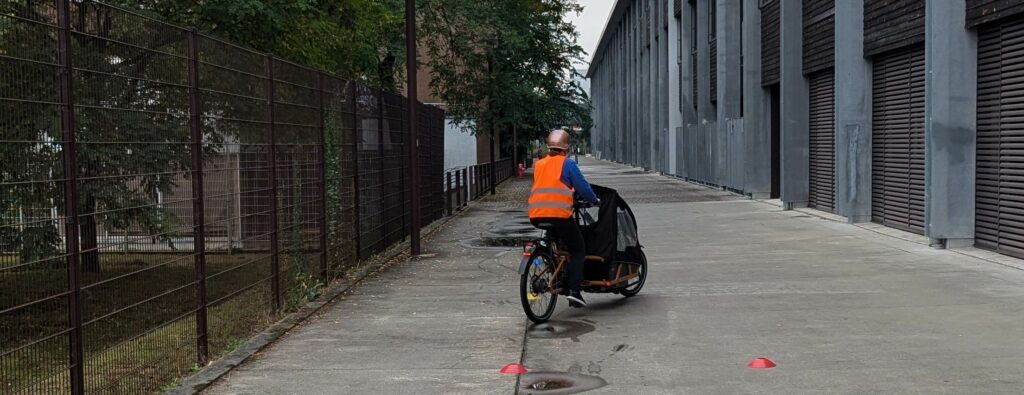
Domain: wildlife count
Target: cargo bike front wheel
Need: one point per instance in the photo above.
(535, 287)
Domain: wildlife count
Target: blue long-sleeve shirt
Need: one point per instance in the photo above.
(573, 178)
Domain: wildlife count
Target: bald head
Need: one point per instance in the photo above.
(558, 139)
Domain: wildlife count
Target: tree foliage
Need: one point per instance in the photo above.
(359, 39)
(505, 63)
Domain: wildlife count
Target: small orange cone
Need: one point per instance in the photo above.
(513, 368)
(761, 363)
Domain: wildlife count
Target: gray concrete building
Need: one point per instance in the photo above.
(907, 113)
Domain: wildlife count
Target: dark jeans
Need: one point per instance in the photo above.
(568, 233)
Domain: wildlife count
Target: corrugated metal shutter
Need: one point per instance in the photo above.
(822, 141)
(713, 72)
(897, 175)
(999, 213)
(769, 42)
(693, 51)
(713, 48)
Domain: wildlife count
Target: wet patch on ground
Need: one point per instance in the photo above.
(510, 229)
(559, 330)
(558, 383)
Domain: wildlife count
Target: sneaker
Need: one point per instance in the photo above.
(576, 300)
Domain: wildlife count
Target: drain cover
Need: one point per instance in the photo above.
(558, 383)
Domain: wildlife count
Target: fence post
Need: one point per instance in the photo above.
(70, 159)
(413, 129)
(355, 172)
(490, 166)
(448, 192)
(458, 189)
(275, 263)
(198, 209)
(405, 171)
(323, 179)
(380, 152)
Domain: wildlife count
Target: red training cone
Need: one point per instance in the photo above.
(761, 363)
(513, 368)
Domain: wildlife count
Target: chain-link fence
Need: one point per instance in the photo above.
(165, 194)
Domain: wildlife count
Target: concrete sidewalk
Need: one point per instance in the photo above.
(841, 308)
(444, 323)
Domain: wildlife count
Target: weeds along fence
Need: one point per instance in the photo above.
(165, 194)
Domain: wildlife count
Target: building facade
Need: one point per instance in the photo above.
(906, 113)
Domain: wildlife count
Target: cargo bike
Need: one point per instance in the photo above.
(615, 260)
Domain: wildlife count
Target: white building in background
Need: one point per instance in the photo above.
(459, 147)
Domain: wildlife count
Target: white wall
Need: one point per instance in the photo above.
(459, 147)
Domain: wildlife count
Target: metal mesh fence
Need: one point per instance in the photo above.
(165, 194)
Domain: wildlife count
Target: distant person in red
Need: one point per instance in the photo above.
(556, 181)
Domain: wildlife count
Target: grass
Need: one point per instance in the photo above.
(140, 349)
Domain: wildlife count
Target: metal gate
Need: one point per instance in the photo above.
(897, 148)
(822, 141)
(999, 216)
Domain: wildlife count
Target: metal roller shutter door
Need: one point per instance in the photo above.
(999, 212)
(897, 148)
(713, 71)
(822, 141)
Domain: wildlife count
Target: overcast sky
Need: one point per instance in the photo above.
(590, 23)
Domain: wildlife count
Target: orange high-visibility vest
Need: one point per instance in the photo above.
(549, 197)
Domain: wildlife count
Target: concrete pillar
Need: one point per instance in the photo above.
(706, 146)
(794, 109)
(689, 112)
(663, 83)
(853, 113)
(620, 141)
(705, 113)
(756, 110)
(730, 89)
(651, 111)
(631, 83)
(951, 61)
(675, 116)
(638, 100)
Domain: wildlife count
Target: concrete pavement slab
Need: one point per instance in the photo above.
(841, 309)
(442, 323)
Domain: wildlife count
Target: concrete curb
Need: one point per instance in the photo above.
(221, 367)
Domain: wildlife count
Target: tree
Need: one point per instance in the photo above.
(358, 39)
(502, 64)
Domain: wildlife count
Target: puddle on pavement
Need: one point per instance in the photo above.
(558, 383)
(490, 241)
(551, 384)
(510, 229)
(559, 330)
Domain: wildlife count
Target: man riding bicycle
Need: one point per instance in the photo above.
(556, 181)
